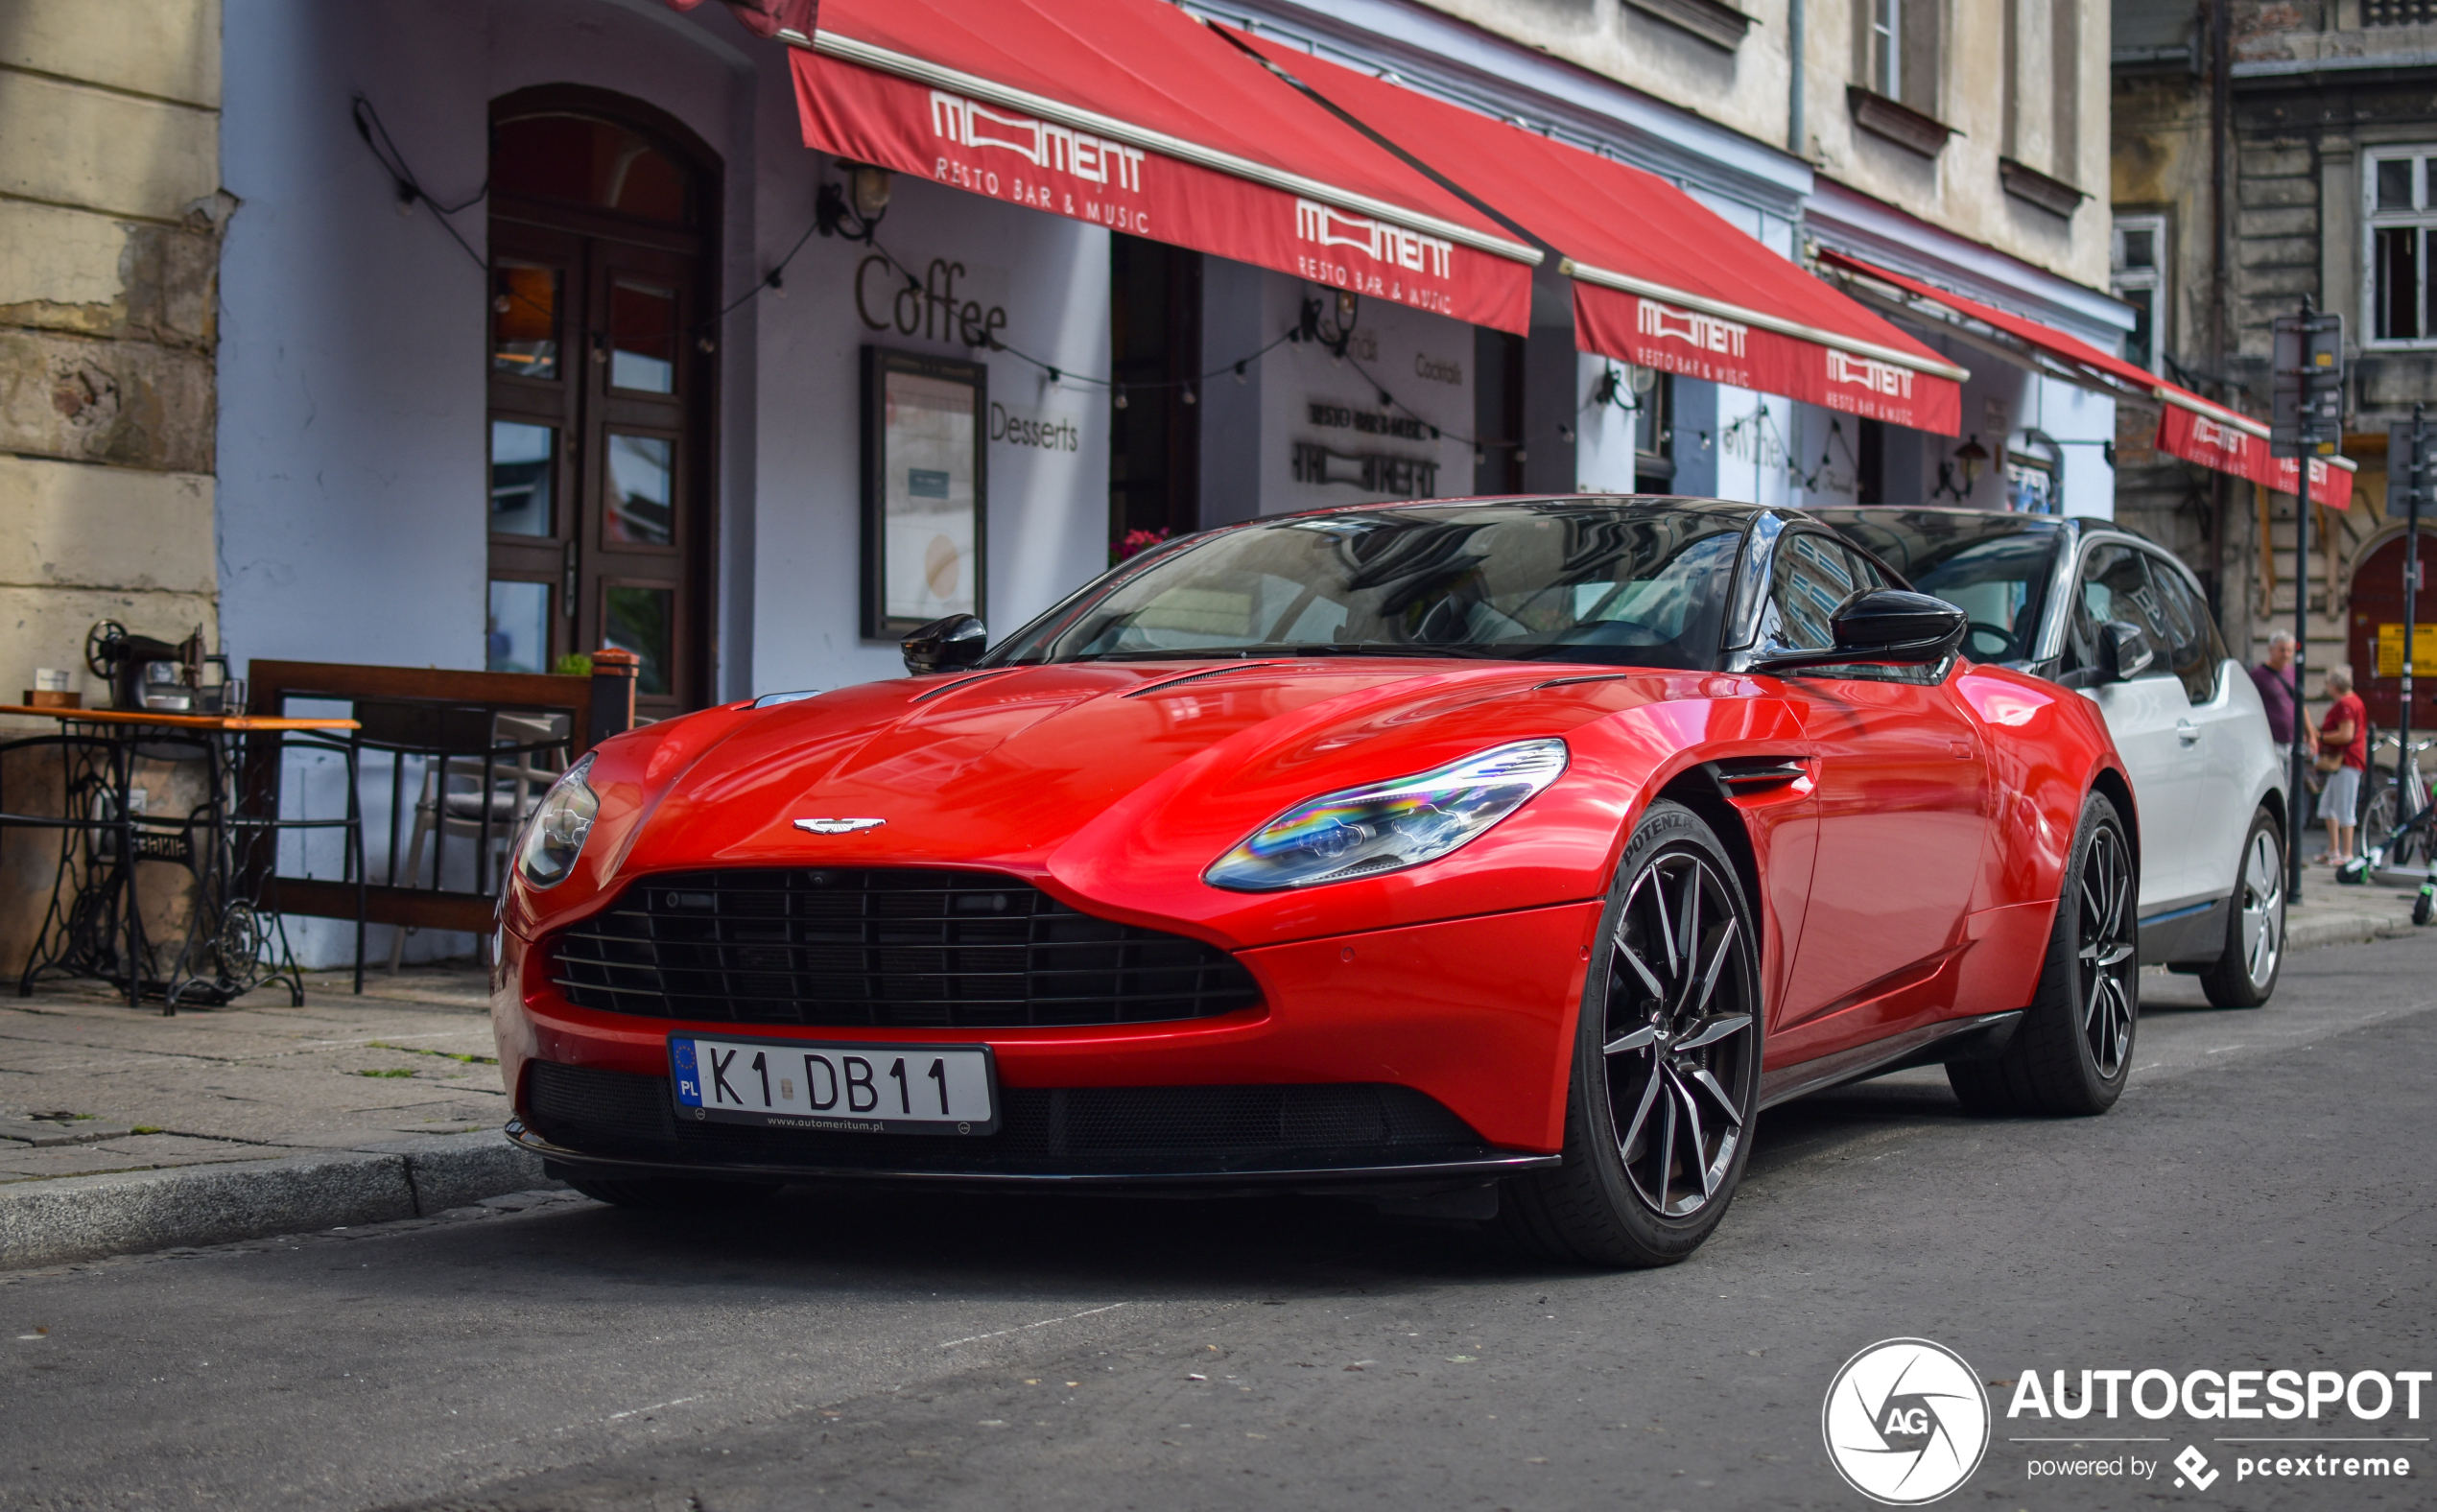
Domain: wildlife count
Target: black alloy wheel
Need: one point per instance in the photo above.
(1667, 1074)
(2072, 1051)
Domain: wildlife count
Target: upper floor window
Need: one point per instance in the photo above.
(2137, 275)
(1886, 47)
(2403, 216)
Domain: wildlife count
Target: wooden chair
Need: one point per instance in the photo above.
(484, 799)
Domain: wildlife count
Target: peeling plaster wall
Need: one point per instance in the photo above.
(110, 218)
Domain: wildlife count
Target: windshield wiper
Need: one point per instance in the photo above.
(1373, 649)
(1178, 654)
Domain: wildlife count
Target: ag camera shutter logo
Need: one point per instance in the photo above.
(1906, 1422)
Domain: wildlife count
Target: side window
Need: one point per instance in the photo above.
(2116, 585)
(2197, 651)
(1812, 576)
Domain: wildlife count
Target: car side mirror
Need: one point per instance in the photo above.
(2124, 651)
(945, 644)
(1881, 626)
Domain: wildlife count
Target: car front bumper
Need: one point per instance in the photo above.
(1430, 1053)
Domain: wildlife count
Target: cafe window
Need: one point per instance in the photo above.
(2401, 219)
(2138, 274)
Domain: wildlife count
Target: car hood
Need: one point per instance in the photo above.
(1115, 785)
(1004, 768)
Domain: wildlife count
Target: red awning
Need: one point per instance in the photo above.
(1131, 114)
(2194, 429)
(769, 17)
(1659, 279)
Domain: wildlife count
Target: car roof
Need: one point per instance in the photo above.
(1726, 508)
(1993, 522)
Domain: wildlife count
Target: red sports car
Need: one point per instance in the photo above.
(1472, 857)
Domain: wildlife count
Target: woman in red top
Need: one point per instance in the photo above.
(2344, 732)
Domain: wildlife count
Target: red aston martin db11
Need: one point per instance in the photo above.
(1486, 856)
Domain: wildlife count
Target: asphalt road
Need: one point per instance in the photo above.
(2259, 1200)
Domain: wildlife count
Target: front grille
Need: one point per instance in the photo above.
(899, 948)
(1073, 1130)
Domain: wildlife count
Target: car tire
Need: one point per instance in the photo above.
(1664, 1090)
(676, 1193)
(2244, 976)
(2072, 1051)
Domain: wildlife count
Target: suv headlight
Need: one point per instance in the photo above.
(556, 836)
(1361, 832)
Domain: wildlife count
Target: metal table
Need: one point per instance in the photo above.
(94, 926)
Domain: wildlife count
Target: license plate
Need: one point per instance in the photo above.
(857, 1088)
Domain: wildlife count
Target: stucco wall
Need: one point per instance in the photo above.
(1996, 82)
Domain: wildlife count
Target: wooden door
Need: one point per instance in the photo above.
(599, 432)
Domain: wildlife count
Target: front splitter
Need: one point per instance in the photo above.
(1209, 1182)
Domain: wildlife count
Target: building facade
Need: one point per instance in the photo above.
(476, 334)
(2264, 155)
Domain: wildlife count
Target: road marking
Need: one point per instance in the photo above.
(654, 1408)
(1026, 1328)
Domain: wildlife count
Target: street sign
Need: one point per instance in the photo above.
(2307, 400)
(2408, 473)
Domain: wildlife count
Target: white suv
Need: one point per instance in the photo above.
(2095, 607)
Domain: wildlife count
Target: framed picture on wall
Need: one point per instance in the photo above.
(925, 490)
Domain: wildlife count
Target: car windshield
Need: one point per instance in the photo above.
(1627, 584)
(1993, 567)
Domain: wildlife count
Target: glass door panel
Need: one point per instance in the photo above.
(524, 457)
(525, 306)
(518, 639)
(643, 338)
(641, 496)
(642, 620)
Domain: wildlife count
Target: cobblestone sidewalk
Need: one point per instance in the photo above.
(90, 1085)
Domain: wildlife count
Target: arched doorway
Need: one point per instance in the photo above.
(601, 458)
(2375, 639)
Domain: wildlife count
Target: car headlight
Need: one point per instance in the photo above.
(556, 836)
(1361, 832)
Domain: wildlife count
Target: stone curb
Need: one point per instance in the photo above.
(2343, 929)
(86, 1218)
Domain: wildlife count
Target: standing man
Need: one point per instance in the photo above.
(2274, 678)
(2344, 739)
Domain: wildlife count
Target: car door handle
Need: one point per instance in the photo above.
(1960, 751)
(2186, 732)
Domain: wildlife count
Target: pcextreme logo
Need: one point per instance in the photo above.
(1906, 1422)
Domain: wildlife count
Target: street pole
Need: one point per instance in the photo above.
(2407, 770)
(2307, 401)
(2300, 783)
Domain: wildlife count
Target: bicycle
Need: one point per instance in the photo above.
(2410, 839)
(2404, 844)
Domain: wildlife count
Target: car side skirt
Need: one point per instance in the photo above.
(1974, 1039)
(2193, 933)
